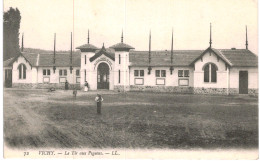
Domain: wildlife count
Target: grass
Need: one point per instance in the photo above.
(37, 118)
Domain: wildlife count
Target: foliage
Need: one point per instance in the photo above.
(11, 26)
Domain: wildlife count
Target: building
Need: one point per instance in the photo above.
(121, 68)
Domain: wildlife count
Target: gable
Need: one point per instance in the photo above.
(213, 51)
(100, 53)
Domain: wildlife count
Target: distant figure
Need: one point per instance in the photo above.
(66, 85)
(86, 86)
(99, 101)
(51, 89)
(75, 93)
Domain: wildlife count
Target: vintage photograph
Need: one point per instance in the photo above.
(130, 79)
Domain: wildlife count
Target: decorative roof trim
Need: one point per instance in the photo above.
(101, 52)
(212, 50)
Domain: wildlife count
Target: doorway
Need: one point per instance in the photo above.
(243, 82)
(103, 76)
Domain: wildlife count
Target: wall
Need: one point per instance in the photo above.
(29, 71)
(222, 73)
(252, 78)
(124, 70)
(55, 77)
(170, 79)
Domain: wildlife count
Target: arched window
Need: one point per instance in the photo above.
(210, 72)
(22, 71)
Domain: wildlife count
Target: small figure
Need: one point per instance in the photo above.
(99, 101)
(66, 85)
(86, 86)
(75, 93)
(51, 89)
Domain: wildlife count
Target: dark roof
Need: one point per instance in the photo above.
(61, 60)
(103, 51)
(233, 57)
(121, 46)
(7, 63)
(46, 60)
(163, 58)
(240, 57)
(87, 48)
(237, 57)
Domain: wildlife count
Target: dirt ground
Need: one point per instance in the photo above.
(38, 118)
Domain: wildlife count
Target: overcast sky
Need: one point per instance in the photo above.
(105, 19)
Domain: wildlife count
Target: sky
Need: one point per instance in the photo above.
(189, 19)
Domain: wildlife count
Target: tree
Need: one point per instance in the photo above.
(12, 19)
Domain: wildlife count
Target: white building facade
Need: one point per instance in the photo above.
(121, 68)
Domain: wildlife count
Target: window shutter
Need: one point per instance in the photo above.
(20, 72)
(24, 72)
(213, 73)
(206, 73)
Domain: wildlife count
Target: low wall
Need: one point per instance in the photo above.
(121, 88)
(162, 89)
(45, 85)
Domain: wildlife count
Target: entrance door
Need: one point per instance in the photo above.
(103, 76)
(8, 78)
(243, 82)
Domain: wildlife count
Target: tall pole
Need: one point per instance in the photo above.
(122, 37)
(71, 49)
(246, 39)
(22, 43)
(88, 36)
(54, 53)
(150, 48)
(210, 40)
(172, 48)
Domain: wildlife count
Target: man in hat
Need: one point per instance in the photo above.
(99, 101)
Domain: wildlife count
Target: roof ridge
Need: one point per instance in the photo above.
(224, 56)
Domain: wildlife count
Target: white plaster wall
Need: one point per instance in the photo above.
(55, 77)
(15, 72)
(91, 71)
(170, 80)
(123, 67)
(222, 78)
(252, 77)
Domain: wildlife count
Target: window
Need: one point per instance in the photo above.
(139, 73)
(136, 73)
(160, 73)
(210, 73)
(77, 72)
(157, 73)
(85, 59)
(119, 76)
(60, 72)
(22, 71)
(85, 75)
(163, 73)
(46, 72)
(183, 73)
(63, 72)
(186, 73)
(119, 59)
(180, 73)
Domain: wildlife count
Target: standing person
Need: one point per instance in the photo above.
(75, 92)
(99, 101)
(66, 85)
(86, 86)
